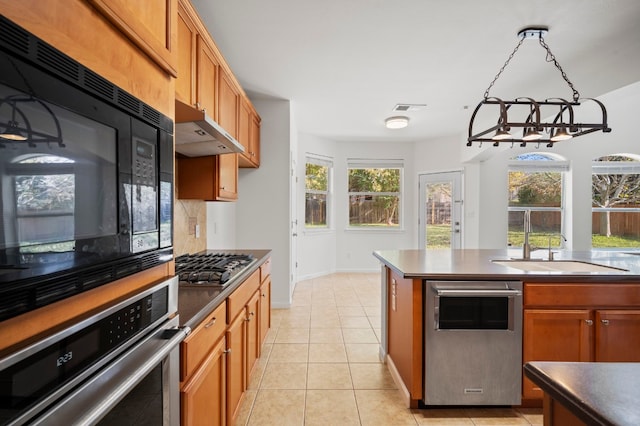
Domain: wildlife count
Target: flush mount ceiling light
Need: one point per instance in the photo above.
(530, 128)
(397, 122)
(18, 129)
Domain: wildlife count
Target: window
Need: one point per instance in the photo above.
(44, 188)
(615, 202)
(317, 192)
(536, 184)
(375, 194)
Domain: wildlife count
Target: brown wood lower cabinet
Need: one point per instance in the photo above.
(218, 356)
(203, 396)
(579, 322)
(554, 335)
(236, 366)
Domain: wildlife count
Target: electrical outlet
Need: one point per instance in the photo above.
(197, 231)
(193, 222)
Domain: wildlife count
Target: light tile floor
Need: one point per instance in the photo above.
(320, 366)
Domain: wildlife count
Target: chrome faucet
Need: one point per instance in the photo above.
(526, 248)
(551, 252)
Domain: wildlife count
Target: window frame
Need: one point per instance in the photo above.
(358, 163)
(614, 167)
(553, 164)
(320, 160)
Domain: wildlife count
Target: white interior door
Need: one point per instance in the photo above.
(440, 210)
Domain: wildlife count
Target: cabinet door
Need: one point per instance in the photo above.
(617, 336)
(555, 335)
(244, 131)
(202, 398)
(207, 78)
(253, 340)
(228, 176)
(265, 309)
(254, 139)
(148, 24)
(248, 135)
(236, 366)
(185, 82)
(228, 104)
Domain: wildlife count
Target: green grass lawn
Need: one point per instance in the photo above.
(439, 236)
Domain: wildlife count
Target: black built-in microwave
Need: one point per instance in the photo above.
(86, 177)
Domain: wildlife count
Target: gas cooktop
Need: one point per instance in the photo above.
(212, 269)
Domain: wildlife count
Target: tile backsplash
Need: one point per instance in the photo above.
(187, 215)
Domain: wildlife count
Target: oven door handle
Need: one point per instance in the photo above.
(97, 396)
(477, 292)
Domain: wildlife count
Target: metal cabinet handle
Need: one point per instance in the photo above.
(227, 351)
(605, 322)
(210, 323)
(589, 322)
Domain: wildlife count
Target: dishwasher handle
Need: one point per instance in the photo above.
(466, 292)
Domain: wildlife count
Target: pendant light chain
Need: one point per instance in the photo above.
(552, 58)
(486, 92)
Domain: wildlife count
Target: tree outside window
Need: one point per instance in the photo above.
(615, 192)
(317, 185)
(374, 196)
(536, 185)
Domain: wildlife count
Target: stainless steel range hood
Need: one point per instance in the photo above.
(197, 135)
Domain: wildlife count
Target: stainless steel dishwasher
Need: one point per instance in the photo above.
(473, 343)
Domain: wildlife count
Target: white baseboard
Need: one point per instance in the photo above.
(406, 396)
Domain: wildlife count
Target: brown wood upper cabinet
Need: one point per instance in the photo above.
(205, 82)
(198, 63)
(211, 178)
(150, 25)
(249, 135)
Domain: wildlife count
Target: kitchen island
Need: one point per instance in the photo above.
(567, 315)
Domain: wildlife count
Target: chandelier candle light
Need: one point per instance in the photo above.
(533, 130)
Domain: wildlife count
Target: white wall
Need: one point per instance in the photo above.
(262, 209)
(221, 225)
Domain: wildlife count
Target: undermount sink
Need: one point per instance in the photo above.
(556, 266)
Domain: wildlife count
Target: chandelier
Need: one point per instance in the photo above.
(528, 126)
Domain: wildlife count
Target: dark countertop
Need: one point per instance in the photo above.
(195, 303)
(477, 264)
(598, 393)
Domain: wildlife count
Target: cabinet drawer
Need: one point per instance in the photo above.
(197, 345)
(241, 295)
(265, 270)
(581, 295)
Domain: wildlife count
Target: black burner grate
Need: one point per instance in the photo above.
(210, 268)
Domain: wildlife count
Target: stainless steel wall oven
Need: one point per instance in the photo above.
(86, 177)
(473, 343)
(119, 367)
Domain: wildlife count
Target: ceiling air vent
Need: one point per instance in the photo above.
(408, 107)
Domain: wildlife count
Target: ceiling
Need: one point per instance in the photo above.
(345, 64)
